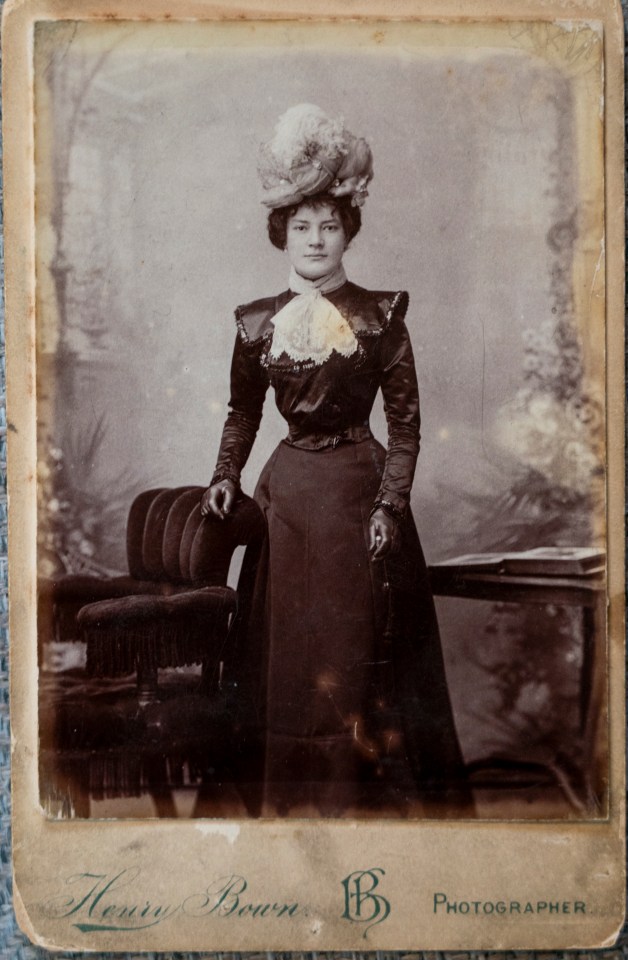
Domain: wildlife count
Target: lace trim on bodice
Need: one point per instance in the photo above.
(257, 324)
(309, 329)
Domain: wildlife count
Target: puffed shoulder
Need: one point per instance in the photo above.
(369, 312)
(254, 319)
(372, 311)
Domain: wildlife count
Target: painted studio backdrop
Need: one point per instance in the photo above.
(486, 205)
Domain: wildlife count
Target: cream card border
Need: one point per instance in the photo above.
(299, 862)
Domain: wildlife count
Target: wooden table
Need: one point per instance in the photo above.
(587, 592)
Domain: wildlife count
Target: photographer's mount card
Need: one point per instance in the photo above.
(272, 689)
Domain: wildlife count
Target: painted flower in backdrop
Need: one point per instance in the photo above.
(554, 426)
(67, 529)
(560, 440)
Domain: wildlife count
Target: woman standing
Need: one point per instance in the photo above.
(338, 653)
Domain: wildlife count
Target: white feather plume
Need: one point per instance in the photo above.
(304, 130)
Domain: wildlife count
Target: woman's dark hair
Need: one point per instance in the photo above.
(350, 217)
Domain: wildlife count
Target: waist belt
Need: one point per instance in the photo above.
(307, 440)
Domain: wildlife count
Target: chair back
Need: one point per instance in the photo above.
(169, 540)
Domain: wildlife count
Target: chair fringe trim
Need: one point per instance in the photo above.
(119, 650)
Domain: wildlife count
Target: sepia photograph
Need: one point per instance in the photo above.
(307, 260)
(320, 531)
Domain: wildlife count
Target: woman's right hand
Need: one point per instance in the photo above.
(383, 535)
(219, 499)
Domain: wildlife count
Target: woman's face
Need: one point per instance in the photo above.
(315, 241)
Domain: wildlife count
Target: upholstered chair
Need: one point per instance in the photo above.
(180, 608)
(172, 609)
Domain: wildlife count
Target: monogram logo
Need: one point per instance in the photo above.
(362, 905)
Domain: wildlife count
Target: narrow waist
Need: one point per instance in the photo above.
(306, 440)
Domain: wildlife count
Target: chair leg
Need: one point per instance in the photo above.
(164, 801)
(147, 688)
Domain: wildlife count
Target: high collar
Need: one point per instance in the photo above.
(327, 284)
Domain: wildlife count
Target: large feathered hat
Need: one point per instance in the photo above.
(311, 153)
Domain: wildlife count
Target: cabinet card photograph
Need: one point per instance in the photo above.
(314, 336)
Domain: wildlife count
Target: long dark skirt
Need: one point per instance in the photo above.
(338, 657)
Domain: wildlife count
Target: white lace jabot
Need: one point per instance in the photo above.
(309, 328)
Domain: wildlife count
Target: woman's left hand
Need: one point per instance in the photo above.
(383, 535)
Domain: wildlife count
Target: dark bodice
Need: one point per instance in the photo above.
(329, 403)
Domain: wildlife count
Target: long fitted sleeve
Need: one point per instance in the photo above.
(401, 405)
(328, 403)
(249, 384)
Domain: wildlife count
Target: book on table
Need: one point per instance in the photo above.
(540, 561)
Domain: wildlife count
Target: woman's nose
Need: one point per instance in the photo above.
(316, 238)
